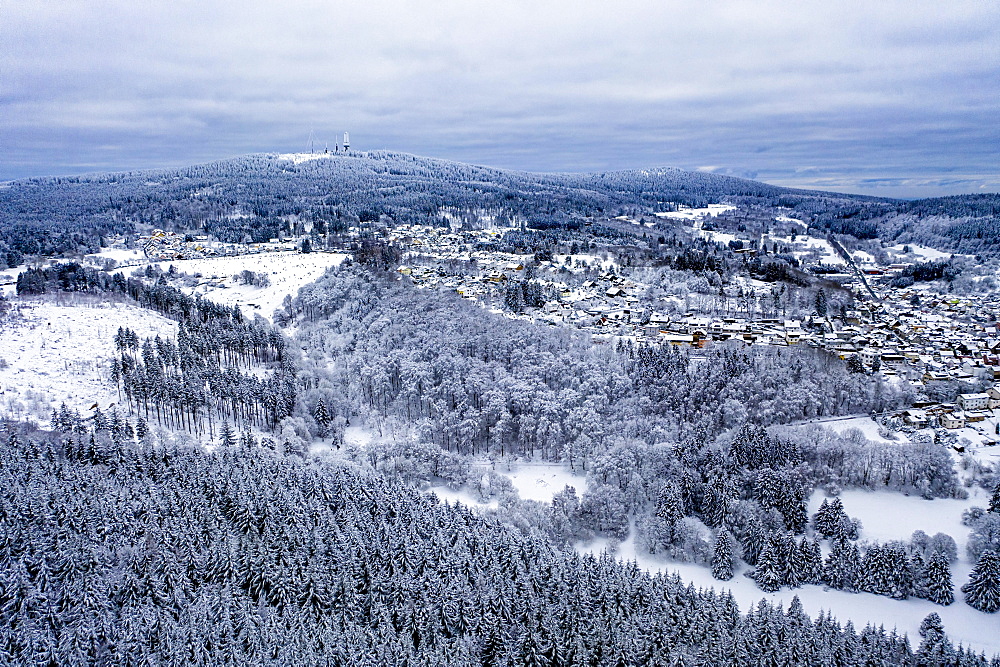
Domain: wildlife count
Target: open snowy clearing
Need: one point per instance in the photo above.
(287, 271)
(447, 494)
(60, 353)
(785, 218)
(684, 213)
(716, 237)
(919, 252)
(866, 425)
(540, 481)
(299, 158)
(120, 255)
(892, 516)
(804, 246)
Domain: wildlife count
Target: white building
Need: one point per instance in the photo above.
(953, 420)
(973, 401)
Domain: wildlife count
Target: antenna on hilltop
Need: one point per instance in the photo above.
(311, 141)
(347, 142)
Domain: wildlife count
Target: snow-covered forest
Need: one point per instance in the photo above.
(119, 555)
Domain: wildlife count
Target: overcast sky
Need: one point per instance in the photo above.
(894, 97)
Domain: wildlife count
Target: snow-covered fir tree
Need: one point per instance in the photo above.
(983, 589)
(723, 556)
(936, 580)
(768, 573)
(841, 569)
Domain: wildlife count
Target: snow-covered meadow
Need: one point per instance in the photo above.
(540, 481)
(685, 213)
(60, 352)
(287, 271)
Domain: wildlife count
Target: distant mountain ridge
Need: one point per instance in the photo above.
(251, 197)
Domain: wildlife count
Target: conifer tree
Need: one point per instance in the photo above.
(788, 559)
(983, 590)
(935, 649)
(937, 585)
(821, 303)
(994, 505)
(821, 519)
(322, 417)
(99, 420)
(754, 541)
(723, 558)
(918, 572)
(841, 571)
(247, 439)
(227, 438)
(810, 559)
(768, 575)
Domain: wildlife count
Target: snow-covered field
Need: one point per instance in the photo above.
(122, 256)
(298, 158)
(920, 252)
(540, 481)
(288, 271)
(866, 425)
(863, 257)
(785, 218)
(684, 213)
(716, 237)
(445, 493)
(60, 353)
(807, 245)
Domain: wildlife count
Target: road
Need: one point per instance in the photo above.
(850, 261)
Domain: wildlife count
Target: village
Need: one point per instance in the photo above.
(946, 347)
(935, 343)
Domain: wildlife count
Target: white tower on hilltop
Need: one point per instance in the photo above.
(347, 142)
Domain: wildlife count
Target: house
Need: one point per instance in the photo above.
(916, 418)
(868, 356)
(973, 401)
(893, 360)
(677, 339)
(994, 398)
(953, 420)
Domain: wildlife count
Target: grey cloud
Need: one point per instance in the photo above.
(849, 94)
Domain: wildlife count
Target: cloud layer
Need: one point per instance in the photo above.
(898, 97)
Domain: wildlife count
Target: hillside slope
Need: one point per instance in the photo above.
(253, 197)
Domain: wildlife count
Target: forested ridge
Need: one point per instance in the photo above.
(243, 556)
(254, 197)
(251, 198)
